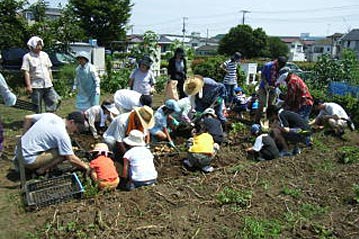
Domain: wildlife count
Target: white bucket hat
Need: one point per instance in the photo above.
(84, 54)
(135, 138)
(112, 108)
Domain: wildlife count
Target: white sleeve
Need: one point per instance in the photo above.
(258, 144)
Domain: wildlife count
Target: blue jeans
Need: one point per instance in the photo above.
(304, 112)
(48, 95)
(229, 93)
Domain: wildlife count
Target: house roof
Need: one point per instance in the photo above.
(207, 48)
(353, 35)
(326, 41)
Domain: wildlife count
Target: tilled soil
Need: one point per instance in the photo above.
(309, 196)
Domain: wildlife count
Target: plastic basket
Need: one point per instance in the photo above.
(53, 190)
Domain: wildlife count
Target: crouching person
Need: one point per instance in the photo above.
(103, 170)
(138, 167)
(46, 141)
(201, 152)
(264, 147)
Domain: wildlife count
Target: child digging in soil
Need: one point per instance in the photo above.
(202, 150)
(138, 167)
(103, 170)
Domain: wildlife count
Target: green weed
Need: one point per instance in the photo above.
(231, 196)
(265, 184)
(356, 192)
(236, 168)
(91, 189)
(293, 192)
(237, 127)
(348, 154)
(260, 228)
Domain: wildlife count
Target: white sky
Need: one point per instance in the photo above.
(276, 17)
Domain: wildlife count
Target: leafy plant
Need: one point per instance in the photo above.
(116, 80)
(160, 84)
(237, 127)
(293, 192)
(63, 80)
(260, 228)
(348, 154)
(231, 196)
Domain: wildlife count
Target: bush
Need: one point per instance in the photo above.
(115, 80)
(161, 83)
(64, 79)
(209, 67)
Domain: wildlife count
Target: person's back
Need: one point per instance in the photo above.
(214, 127)
(48, 132)
(332, 109)
(127, 99)
(269, 149)
(292, 120)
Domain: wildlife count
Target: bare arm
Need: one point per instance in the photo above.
(27, 81)
(27, 123)
(74, 160)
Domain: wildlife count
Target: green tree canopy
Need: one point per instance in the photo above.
(104, 20)
(277, 47)
(13, 30)
(242, 38)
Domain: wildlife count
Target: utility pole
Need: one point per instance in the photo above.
(207, 37)
(244, 14)
(184, 29)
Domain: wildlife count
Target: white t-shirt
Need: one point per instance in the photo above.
(38, 66)
(333, 109)
(258, 144)
(116, 131)
(141, 164)
(142, 81)
(48, 132)
(127, 99)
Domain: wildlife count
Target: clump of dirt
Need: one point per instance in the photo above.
(306, 196)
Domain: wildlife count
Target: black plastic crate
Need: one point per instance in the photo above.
(53, 190)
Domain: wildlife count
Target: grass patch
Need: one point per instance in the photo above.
(260, 228)
(293, 192)
(232, 196)
(356, 192)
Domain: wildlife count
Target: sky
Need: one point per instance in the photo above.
(275, 17)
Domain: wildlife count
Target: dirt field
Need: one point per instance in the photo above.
(306, 196)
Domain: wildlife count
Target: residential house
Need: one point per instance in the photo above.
(318, 48)
(206, 50)
(351, 41)
(296, 48)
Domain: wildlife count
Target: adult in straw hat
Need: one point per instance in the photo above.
(140, 118)
(206, 93)
(139, 169)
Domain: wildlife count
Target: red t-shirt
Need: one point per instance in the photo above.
(104, 168)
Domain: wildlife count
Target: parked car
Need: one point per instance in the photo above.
(12, 59)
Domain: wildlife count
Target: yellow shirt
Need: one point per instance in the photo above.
(202, 143)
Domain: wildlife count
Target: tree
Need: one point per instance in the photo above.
(104, 20)
(277, 47)
(13, 30)
(242, 38)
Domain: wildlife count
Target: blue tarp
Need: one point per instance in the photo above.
(341, 88)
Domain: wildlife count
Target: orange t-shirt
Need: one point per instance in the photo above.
(104, 168)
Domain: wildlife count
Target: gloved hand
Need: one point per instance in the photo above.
(96, 136)
(219, 100)
(171, 144)
(97, 90)
(74, 87)
(175, 122)
(148, 146)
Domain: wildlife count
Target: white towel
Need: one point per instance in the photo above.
(32, 43)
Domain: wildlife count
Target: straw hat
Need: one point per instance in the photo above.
(145, 114)
(135, 138)
(193, 85)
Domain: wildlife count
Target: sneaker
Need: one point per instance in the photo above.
(207, 169)
(260, 159)
(187, 163)
(296, 151)
(351, 125)
(285, 153)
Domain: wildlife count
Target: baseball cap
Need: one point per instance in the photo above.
(255, 128)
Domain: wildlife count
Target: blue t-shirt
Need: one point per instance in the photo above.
(160, 121)
(48, 132)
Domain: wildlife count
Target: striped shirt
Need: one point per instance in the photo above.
(231, 76)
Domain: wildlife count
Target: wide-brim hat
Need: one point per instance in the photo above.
(83, 54)
(101, 147)
(135, 138)
(145, 114)
(112, 108)
(193, 85)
